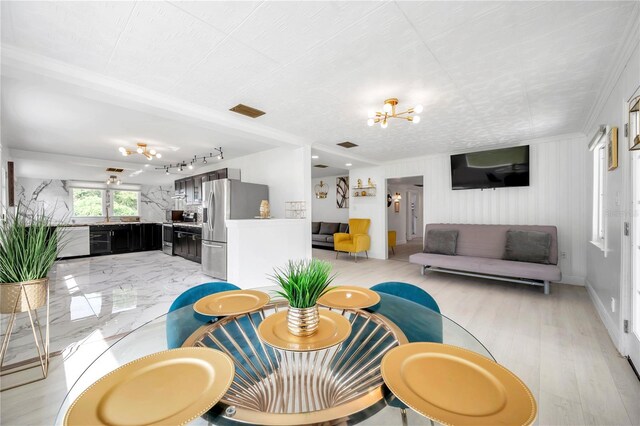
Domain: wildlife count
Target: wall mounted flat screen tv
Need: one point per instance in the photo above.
(498, 168)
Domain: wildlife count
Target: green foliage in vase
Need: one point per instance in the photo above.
(28, 245)
(303, 282)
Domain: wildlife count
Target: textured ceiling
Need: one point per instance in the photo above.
(487, 73)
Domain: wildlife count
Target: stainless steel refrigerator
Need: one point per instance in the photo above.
(222, 200)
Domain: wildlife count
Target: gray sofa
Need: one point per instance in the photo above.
(322, 233)
(480, 250)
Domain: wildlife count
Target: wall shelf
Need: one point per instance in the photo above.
(363, 191)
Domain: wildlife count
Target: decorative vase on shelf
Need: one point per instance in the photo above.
(265, 211)
(302, 283)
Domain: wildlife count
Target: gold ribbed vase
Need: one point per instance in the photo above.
(303, 322)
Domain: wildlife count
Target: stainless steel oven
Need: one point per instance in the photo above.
(167, 238)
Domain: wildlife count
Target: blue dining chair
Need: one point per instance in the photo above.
(414, 331)
(179, 328)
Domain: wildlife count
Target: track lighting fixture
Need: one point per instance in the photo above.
(218, 154)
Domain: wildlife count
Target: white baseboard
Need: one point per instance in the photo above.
(573, 280)
(611, 327)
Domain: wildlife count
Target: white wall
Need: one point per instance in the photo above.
(283, 169)
(557, 196)
(605, 278)
(54, 197)
(326, 209)
(373, 208)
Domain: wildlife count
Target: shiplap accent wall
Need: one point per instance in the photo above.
(556, 196)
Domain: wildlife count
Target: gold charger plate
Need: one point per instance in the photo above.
(455, 386)
(232, 302)
(166, 388)
(349, 297)
(332, 330)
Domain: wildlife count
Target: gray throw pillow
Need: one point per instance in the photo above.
(329, 228)
(441, 241)
(315, 227)
(344, 228)
(528, 246)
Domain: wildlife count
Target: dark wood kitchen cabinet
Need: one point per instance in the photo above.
(124, 238)
(187, 243)
(191, 187)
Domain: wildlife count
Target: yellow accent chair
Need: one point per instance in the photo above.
(391, 241)
(356, 241)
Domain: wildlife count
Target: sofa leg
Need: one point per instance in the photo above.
(356, 256)
(546, 287)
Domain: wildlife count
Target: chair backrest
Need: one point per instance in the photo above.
(180, 327)
(198, 292)
(359, 226)
(391, 239)
(409, 292)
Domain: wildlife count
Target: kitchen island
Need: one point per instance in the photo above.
(256, 246)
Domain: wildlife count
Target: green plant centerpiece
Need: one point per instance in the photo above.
(28, 250)
(302, 283)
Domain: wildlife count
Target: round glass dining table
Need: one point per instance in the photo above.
(416, 323)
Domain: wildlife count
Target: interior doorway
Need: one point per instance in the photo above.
(405, 213)
(632, 317)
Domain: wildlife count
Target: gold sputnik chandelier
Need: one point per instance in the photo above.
(141, 149)
(389, 111)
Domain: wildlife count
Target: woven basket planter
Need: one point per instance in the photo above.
(12, 293)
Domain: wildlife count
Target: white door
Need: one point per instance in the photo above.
(633, 326)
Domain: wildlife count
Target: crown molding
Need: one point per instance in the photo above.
(622, 57)
(16, 61)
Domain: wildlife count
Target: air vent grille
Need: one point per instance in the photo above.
(347, 144)
(114, 170)
(247, 110)
(321, 166)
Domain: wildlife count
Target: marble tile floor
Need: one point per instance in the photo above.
(556, 343)
(110, 294)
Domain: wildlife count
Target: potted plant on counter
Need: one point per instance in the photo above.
(28, 250)
(302, 283)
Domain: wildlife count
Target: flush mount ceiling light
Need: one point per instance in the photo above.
(141, 149)
(113, 179)
(389, 111)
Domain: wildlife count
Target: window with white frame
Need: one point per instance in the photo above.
(87, 202)
(125, 203)
(599, 170)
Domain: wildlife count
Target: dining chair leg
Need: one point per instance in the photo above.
(356, 255)
(337, 254)
(403, 414)
(393, 251)
(432, 422)
(367, 253)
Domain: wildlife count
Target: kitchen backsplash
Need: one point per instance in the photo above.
(53, 195)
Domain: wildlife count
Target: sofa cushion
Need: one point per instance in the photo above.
(489, 240)
(483, 265)
(318, 237)
(329, 228)
(315, 227)
(527, 246)
(344, 228)
(330, 239)
(441, 241)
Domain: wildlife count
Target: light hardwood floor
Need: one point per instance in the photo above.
(555, 343)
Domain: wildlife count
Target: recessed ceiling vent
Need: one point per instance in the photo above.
(347, 144)
(321, 166)
(114, 170)
(247, 110)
